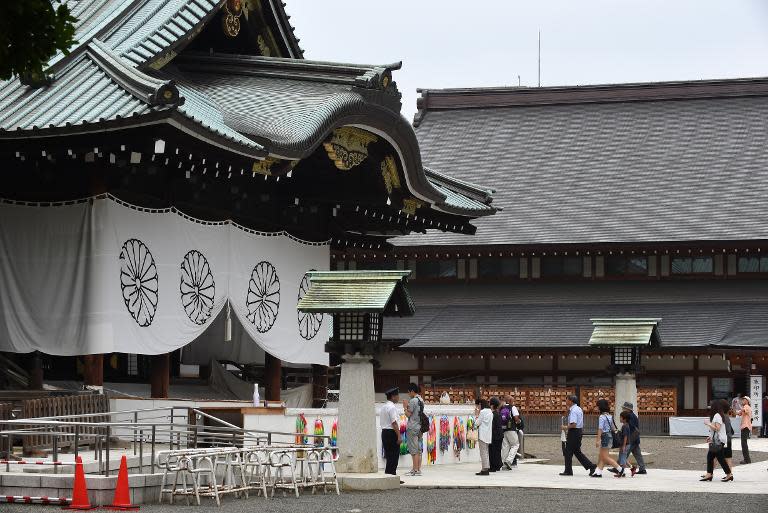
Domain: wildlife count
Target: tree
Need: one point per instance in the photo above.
(31, 32)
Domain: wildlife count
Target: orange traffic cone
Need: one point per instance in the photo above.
(122, 500)
(80, 490)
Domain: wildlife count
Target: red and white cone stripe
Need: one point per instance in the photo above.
(26, 499)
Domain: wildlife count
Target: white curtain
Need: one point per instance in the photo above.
(103, 276)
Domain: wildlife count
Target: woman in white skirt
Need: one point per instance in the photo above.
(484, 435)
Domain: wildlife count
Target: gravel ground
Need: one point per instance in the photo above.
(444, 501)
(665, 452)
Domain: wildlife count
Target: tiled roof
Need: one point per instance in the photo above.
(140, 31)
(89, 90)
(357, 291)
(251, 105)
(460, 195)
(289, 105)
(557, 315)
(646, 162)
(98, 86)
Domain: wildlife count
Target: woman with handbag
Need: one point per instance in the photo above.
(605, 438)
(716, 441)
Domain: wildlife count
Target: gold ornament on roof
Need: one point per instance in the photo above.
(263, 47)
(347, 146)
(265, 167)
(233, 9)
(410, 205)
(389, 173)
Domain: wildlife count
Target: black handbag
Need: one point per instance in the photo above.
(715, 445)
(618, 438)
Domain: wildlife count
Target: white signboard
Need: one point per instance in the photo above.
(756, 397)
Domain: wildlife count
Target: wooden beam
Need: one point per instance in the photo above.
(160, 378)
(93, 370)
(319, 385)
(36, 372)
(272, 377)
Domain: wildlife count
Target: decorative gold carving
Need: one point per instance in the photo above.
(264, 167)
(272, 165)
(263, 48)
(348, 146)
(389, 173)
(410, 205)
(231, 20)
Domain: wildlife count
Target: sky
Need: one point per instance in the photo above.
(447, 43)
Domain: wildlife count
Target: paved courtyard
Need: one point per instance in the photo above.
(678, 453)
(531, 500)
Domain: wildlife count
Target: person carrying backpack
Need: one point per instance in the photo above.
(417, 425)
(510, 419)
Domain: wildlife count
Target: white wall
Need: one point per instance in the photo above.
(287, 423)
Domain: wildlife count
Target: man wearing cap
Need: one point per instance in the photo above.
(573, 433)
(390, 431)
(634, 426)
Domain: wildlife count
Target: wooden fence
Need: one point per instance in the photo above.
(653, 425)
(63, 406)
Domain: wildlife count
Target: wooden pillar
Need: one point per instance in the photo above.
(696, 382)
(319, 385)
(160, 378)
(272, 377)
(93, 370)
(36, 372)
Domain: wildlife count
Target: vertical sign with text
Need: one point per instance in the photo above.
(756, 398)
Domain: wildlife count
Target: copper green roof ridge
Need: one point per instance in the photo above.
(357, 292)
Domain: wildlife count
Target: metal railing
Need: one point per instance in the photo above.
(147, 431)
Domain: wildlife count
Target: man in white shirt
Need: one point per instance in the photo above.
(573, 434)
(390, 431)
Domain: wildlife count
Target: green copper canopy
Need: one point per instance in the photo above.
(625, 332)
(358, 291)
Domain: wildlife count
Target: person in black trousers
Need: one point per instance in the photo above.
(497, 436)
(390, 431)
(574, 432)
(717, 435)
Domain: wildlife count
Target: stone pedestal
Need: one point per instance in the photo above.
(626, 390)
(357, 423)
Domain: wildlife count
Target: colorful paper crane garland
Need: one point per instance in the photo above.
(431, 441)
(459, 438)
(319, 432)
(301, 429)
(471, 433)
(403, 435)
(445, 434)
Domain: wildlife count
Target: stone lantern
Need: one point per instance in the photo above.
(625, 338)
(358, 301)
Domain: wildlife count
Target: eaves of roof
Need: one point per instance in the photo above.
(491, 97)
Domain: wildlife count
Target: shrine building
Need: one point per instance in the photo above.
(635, 202)
(170, 181)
